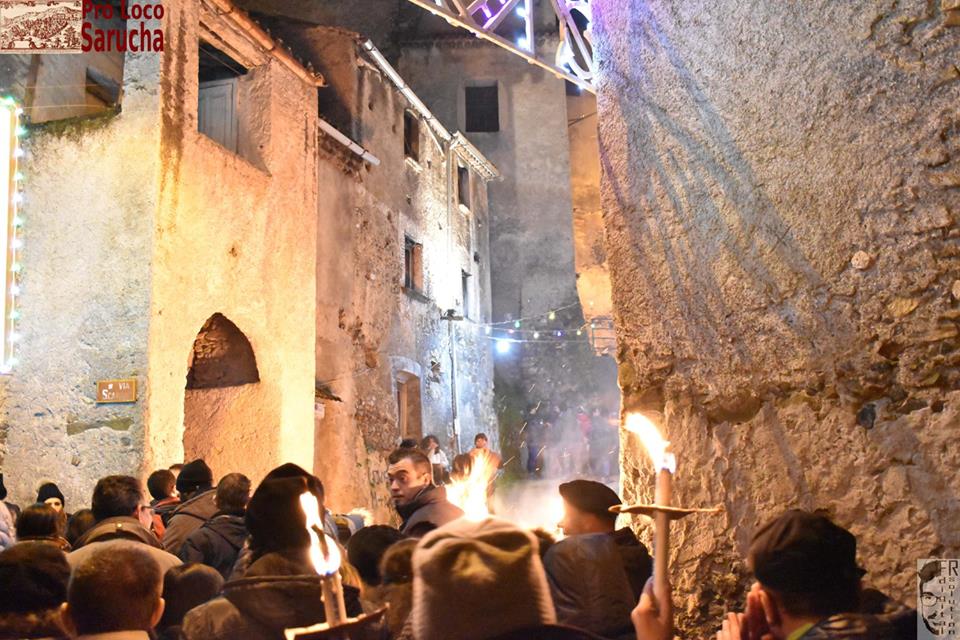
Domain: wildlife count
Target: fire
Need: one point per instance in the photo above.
(470, 492)
(324, 553)
(652, 441)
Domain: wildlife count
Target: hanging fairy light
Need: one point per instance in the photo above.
(11, 181)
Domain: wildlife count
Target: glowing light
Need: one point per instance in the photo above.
(503, 346)
(16, 268)
(653, 442)
(487, 330)
(522, 11)
(15, 290)
(523, 43)
(516, 324)
(579, 332)
(486, 12)
(18, 176)
(470, 492)
(18, 153)
(324, 553)
(17, 221)
(552, 315)
(559, 334)
(16, 243)
(536, 335)
(21, 131)
(14, 337)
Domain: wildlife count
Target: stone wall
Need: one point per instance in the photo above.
(532, 246)
(370, 328)
(236, 236)
(90, 198)
(780, 186)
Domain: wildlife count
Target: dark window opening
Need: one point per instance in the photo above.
(412, 265)
(482, 105)
(463, 186)
(221, 357)
(411, 136)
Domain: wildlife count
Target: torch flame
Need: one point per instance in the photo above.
(324, 553)
(470, 491)
(652, 441)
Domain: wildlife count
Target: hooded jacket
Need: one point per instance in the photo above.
(429, 510)
(280, 591)
(216, 543)
(589, 585)
(187, 518)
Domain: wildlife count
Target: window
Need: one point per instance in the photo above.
(217, 115)
(408, 406)
(412, 265)
(482, 107)
(465, 291)
(411, 136)
(463, 186)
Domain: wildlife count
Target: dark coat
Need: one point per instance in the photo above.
(879, 618)
(187, 518)
(589, 585)
(279, 591)
(429, 510)
(216, 543)
(636, 559)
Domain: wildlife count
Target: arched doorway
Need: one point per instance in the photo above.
(224, 404)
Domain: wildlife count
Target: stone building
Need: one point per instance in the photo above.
(542, 275)
(780, 189)
(272, 284)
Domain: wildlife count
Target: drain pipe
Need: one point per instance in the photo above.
(334, 133)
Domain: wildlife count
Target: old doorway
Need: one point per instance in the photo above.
(224, 405)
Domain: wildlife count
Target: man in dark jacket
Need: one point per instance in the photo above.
(586, 510)
(197, 496)
(122, 518)
(280, 589)
(162, 485)
(218, 542)
(421, 505)
(809, 587)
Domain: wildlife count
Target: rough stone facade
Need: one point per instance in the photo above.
(374, 332)
(780, 188)
(532, 231)
(141, 229)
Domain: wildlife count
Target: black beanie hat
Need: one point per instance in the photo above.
(590, 497)
(290, 470)
(802, 552)
(3, 489)
(194, 475)
(50, 490)
(275, 519)
(33, 577)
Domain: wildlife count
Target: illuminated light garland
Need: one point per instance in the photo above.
(11, 132)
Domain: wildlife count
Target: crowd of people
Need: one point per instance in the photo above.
(185, 558)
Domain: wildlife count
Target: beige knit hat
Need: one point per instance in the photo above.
(476, 580)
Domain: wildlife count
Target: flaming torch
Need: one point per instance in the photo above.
(665, 464)
(325, 556)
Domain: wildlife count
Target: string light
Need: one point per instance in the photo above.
(552, 315)
(13, 133)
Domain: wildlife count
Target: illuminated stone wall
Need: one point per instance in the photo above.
(780, 192)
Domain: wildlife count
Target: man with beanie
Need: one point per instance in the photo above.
(479, 581)
(50, 494)
(808, 586)
(586, 510)
(421, 505)
(280, 589)
(122, 518)
(197, 504)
